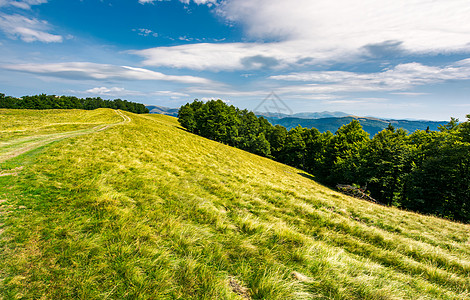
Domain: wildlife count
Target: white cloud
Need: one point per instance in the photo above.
(420, 25)
(361, 101)
(205, 99)
(323, 31)
(411, 94)
(233, 56)
(170, 93)
(147, 1)
(333, 86)
(25, 4)
(121, 92)
(145, 32)
(199, 2)
(218, 92)
(108, 91)
(28, 30)
(86, 70)
(401, 77)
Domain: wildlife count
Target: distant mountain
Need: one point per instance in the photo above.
(324, 121)
(304, 115)
(157, 109)
(162, 110)
(370, 125)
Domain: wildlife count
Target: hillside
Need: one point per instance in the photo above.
(370, 125)
(140, 208)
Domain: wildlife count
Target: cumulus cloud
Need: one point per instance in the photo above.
(86, 70)
(420, 25)
(309, 32)
(28, 30)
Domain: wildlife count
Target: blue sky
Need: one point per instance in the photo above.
(391, 59)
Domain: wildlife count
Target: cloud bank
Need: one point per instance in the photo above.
(420, 25)
(86, 70)
(401, 77)
(306, 33)
(235, 56)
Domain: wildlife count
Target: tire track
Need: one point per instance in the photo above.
(13, 148)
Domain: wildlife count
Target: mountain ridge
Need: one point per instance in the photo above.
(326, 120)
(370, 125)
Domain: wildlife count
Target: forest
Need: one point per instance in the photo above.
(425, 171)
(44, 101)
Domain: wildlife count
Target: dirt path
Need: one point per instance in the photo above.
(15, 147)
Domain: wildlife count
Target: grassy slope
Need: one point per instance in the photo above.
(24, 130)
(147, 210)
(19, 122)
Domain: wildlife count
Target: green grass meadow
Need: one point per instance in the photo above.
(143, 209)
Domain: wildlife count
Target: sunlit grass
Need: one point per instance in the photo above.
(147, 210)
(21, 122)
(25, 130)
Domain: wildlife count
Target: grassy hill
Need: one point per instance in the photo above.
(138, 208)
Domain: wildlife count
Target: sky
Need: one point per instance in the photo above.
(400, 59)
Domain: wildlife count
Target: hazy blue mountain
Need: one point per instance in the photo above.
(162, 110)
(324, 121)
(370, 125)
(304, 115)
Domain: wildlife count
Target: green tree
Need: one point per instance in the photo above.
(277, 136)
(186, 115)
(439, 182)
(295, 149)
(315, 147)
(386, 162)
(345, 153)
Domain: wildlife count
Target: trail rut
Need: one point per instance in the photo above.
(15, 147)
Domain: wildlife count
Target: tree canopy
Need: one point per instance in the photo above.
(44, 101)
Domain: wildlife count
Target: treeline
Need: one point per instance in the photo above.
(44, 101)
(426, 171)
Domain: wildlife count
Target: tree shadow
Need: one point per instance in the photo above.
(311, 177)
